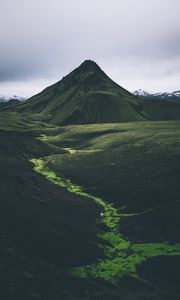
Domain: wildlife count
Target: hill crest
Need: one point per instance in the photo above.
(87, 95)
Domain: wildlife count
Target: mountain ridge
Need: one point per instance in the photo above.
(167, 96)
(87, 95)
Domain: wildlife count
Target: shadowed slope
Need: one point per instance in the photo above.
(86, 95)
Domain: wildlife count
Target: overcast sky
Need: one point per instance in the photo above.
(136, 42)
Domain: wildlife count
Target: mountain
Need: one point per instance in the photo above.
(87, 95)
(174, 96)
(90, 211)
(14, 97)
(140, 93)
(9, 104)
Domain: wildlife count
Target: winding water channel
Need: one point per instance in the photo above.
(121, 256)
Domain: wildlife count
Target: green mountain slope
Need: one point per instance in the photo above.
(133, 169)
(87, 95)
(44, 229)
(89, 212)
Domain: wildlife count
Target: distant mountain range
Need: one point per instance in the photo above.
(12, 101)
(174, 96)
(87, 95)
(13, 97)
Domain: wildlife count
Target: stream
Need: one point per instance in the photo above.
(121, 256)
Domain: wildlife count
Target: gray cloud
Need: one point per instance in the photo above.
(137, 42)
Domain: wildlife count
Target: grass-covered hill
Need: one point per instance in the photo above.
(135, 166)
(44, 229)
(133, 169)
(87, 95)
(89, 211)
(9, 104)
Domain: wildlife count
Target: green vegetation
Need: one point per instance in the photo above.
(121, 256)
(110, 215)
(134, 166)
(99, 217)
(124, 258)
(44, 228)
(89, 211)
(87, 96)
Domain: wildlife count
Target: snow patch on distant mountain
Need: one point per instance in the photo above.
(175, 96)
(13, 97)
(177, 93)
(140, 92)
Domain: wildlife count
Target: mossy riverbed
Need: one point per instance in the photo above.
(121, 256)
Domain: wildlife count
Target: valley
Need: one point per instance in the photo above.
(89, 193)
(117, 260)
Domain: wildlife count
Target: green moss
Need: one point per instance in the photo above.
(123, 259)
(121, 256)
(110, 216)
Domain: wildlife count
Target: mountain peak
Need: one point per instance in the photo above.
(88, 73)
(89, 62)
(87, 95)
(90, 65)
